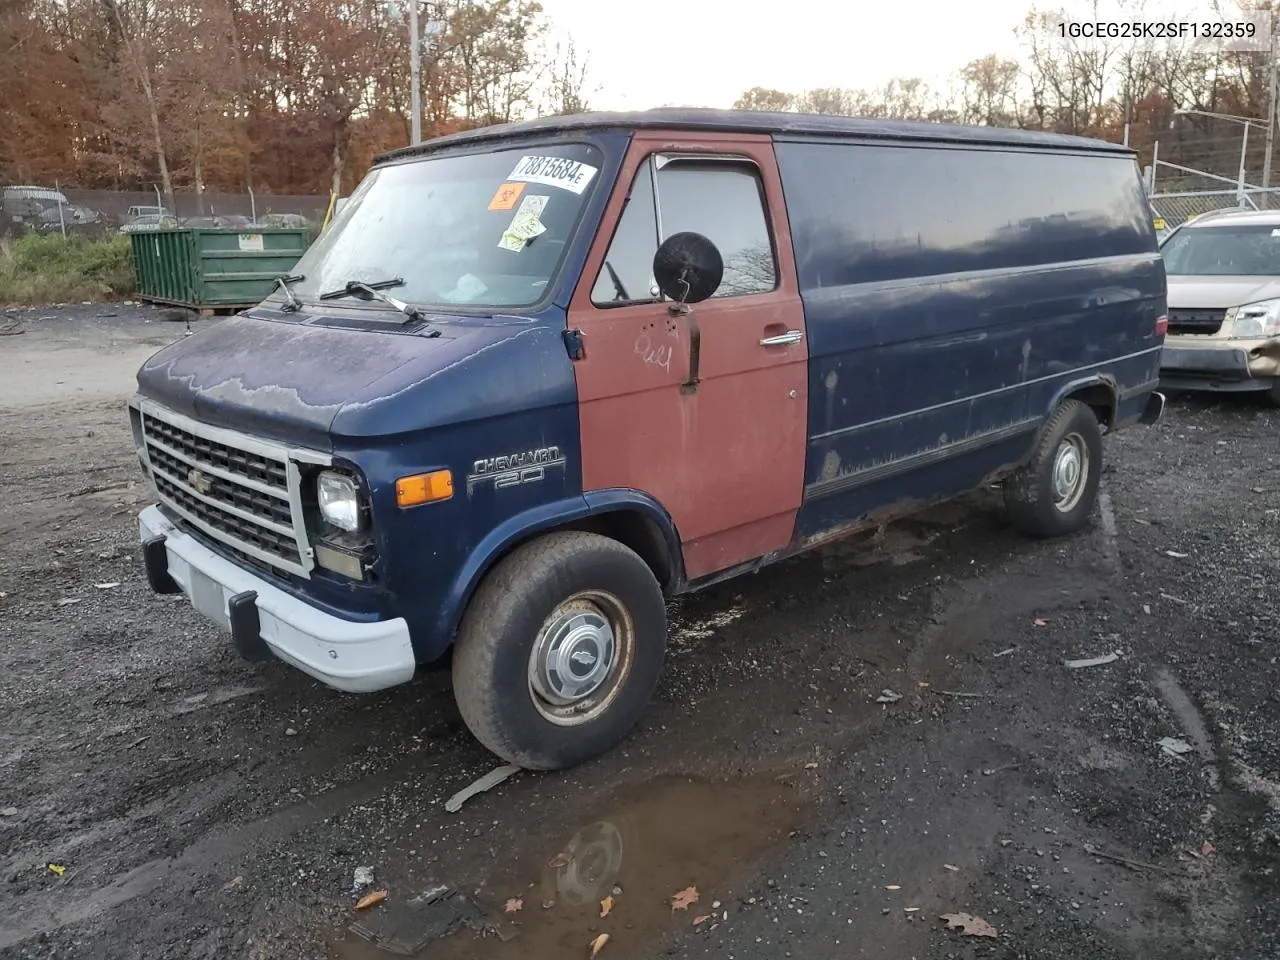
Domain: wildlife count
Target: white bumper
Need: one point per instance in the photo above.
(344, 654)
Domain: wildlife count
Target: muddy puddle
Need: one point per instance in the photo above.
(628, 860)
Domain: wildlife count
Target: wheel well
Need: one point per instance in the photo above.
(633, 529)
(1100, 398)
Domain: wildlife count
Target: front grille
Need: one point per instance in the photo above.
(236, 489)
(1196, 321)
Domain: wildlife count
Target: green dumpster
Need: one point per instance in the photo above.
(214, 269)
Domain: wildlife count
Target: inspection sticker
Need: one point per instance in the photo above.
(525, 225)
(506, 196)
(561, 172)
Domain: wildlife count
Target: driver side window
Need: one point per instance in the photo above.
(721, 199)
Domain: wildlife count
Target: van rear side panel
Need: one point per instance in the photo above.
(951, 293)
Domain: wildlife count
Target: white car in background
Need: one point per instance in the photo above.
(1224, 304)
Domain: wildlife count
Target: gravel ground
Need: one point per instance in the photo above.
(206, 807)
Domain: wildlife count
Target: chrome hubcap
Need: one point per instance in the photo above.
(1070, 469)
(573, 656)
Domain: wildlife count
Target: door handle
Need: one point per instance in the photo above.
(782, 339)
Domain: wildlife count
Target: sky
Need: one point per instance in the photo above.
(706, 52)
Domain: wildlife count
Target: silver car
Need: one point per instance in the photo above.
(1224, 304)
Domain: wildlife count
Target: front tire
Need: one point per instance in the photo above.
(1053, 493)
(560, 650)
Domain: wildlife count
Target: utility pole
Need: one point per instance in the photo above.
(1128, 110)
(415, 75)
(1271, 118)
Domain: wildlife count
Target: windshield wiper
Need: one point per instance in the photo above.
(370, 292)
(292, 302)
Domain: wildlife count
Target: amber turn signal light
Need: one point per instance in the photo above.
(424, 488)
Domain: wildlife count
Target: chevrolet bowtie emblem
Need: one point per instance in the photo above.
(198, 481)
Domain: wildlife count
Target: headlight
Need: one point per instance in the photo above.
(339, 501)
(1257, 320)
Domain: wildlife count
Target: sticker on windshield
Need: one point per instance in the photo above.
(561, 172)
(506, 196)
(525, 225)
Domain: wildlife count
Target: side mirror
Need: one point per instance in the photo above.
(688, 268)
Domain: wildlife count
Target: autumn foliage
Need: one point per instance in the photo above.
(284, 96)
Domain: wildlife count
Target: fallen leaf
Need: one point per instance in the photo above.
(57, 868)
(702, 919)
(606, 905)
(888, 696)
(969, 925)
(1174, 747)
(953, 869)
(561, 859)
(514, 905)
(598, 943)
(1041, 622)
(232, 884)
(813, 765)
(1092, 661)
(685, 897)
(371, 899)
(1207, 849)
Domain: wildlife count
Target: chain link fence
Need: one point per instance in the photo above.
(1176, 208)
(101, 213)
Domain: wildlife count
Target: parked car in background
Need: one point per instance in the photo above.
(26, 207)
(289, 221)
(150, 221)
(55, 219)
(137, 212)
(1224, 304)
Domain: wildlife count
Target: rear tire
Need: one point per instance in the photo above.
(1273, 395)
(560, 650)
(1053, 493)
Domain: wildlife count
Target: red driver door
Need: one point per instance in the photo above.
(724, 454)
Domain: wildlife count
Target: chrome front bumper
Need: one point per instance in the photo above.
(355, 656)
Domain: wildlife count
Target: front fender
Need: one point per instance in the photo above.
(541, 519)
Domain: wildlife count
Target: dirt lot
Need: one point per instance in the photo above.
(205, 807)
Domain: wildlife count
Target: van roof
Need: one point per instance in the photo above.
(759, 121)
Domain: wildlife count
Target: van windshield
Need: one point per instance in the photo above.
(1239, 250)
(484, 230)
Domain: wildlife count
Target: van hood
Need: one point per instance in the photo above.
(1219, 293)
(303, 384)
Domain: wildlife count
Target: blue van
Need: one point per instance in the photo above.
(536, 379)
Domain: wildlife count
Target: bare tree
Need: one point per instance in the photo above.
(764, 98)
(566, 91)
